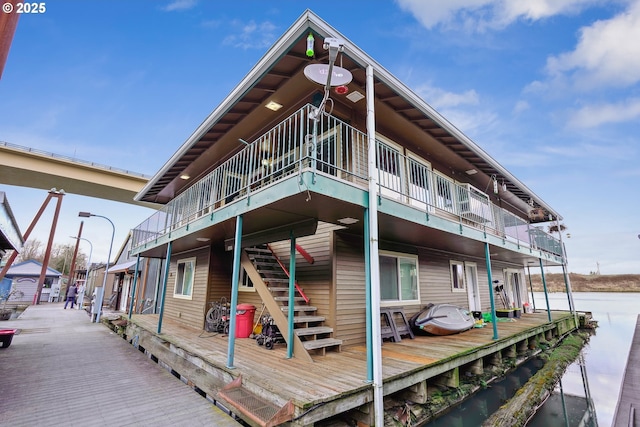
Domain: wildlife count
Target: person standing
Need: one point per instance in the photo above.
(71, 295)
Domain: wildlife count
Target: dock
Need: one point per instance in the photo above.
(61, 369)
(628, 407)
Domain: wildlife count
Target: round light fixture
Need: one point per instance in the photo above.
(342, 90)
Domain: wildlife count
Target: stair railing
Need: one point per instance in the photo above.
(286, 271)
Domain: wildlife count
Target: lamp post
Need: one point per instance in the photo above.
(86, 282)
(100, 295)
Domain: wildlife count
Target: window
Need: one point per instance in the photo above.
(457, 276)
(444, 192)
(186, 269)
(398, 278)
(419, 182)
(245, 285)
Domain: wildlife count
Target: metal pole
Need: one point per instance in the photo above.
(544, 285)
(374, 265)
(75, 254)
(135, 282)
(237, 252)
(494, 320)
(106, 270)
(47, 254)
(367, 284)
(292, 294)
(164, 286)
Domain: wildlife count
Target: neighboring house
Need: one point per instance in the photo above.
(24, 277)
(266, 175)
(124, 271)
(10, 235)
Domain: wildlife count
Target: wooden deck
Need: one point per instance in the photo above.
(336, 382)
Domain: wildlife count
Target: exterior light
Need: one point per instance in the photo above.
(273, 106)
(185, 176)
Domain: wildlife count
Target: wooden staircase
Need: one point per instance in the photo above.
(271, 280)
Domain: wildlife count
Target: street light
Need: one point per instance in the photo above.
(86, 283)
(98, 301)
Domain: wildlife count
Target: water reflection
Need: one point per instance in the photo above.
(476, 409)
(606, 353)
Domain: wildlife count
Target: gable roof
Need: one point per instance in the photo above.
(30, 268)
(279, 75)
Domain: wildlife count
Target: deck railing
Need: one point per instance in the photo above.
(333, 148)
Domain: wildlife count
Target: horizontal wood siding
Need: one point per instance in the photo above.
(350, 290)
(189, 311)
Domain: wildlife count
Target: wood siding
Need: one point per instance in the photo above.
(189, 311)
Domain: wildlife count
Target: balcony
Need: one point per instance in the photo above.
(337, 150)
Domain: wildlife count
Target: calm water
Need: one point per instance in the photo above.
(607, 351)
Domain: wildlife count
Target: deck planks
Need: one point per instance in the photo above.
(335, 374)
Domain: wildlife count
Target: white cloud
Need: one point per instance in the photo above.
(605, 55)
(439, 98)
(521, 106)
(251, 35)
(479, 15)
(598, 114)
(180, 5)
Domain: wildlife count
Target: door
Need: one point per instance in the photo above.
(515, 287)
(473, 288)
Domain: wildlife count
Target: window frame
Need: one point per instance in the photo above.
(461, 278)
(181, 294)
(398, 256)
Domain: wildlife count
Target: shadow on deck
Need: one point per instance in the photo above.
(336, 383)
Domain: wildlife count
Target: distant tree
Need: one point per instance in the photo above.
(32, 249)
(61, 256)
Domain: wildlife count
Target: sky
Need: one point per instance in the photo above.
(549, 88)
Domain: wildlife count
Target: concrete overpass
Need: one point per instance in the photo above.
(27, 167)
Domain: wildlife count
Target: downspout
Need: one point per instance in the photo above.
(374, 264)
(494, 320)
(133, 290)
(292, 293)
(544, 285)
(235, 279)
(367, 284)
(167, 262)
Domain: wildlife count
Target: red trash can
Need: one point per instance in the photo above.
(244, 320)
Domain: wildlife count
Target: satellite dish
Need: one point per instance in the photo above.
(319, 73)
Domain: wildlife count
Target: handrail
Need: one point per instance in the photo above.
(306, 255)
(339, 151)
(298, 288)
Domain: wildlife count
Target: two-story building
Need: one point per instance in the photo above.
(322, 190)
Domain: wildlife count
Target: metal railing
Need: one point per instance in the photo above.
(331, 147)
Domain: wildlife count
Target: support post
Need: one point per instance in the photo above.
(47, 254)
(494, 321)
(533, 299)
(292, 294)
(374, 264)
(544, 285)
(135, 283)
(368, 311)
(237, 252)
(164, 286)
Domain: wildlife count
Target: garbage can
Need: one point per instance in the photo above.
(244, 320)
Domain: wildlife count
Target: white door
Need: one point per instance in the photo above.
(515, 287)
(473, 288)
(124, 295)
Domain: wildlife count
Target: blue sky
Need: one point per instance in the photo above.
(548, 88)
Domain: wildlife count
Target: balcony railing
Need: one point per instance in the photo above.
(333, 148)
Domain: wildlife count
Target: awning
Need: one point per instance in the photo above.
(119, 268)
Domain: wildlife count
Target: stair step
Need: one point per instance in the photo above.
(308, 319)
(322, 343)
(286, 298)
(314, 330)
(275, 280)
(279, 289)
(259, 250)
(300, 308)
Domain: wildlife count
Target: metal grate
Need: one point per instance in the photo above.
(251, 403)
